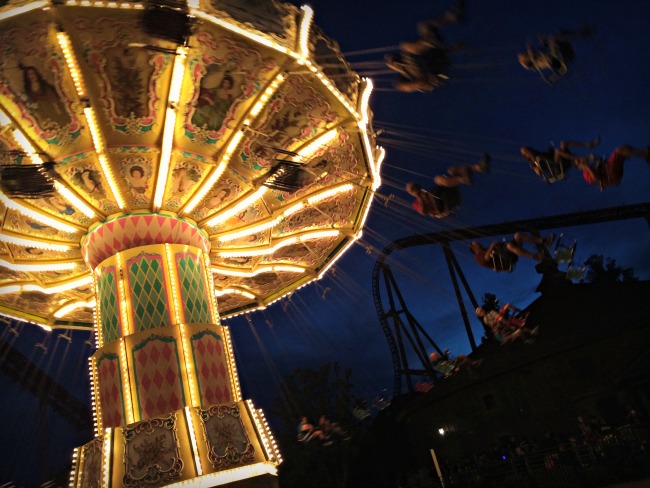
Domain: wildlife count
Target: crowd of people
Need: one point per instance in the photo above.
(593, 442)
(585, 445)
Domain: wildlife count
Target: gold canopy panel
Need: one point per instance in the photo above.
(140, 126)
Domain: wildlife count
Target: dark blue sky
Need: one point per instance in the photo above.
(489, 104)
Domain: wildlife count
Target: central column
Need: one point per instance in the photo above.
(168, 407)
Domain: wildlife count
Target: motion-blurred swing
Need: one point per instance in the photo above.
(564, 254)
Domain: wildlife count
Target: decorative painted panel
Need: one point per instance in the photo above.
(111, 395)
(149, 295)
(129, 77)
(152, 454)
(209, 356)
(194, 292)
(91, 464)
(225, 434)
(157, 376)
(296, 113)
(225, 75)
(84, 173)
(109, 304)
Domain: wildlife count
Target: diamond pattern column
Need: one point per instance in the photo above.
(163, 373)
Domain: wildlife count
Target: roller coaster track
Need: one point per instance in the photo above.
(597, 216)
(29, 376)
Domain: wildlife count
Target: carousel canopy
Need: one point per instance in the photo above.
(240, 118)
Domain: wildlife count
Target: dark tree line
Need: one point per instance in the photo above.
(600, 269)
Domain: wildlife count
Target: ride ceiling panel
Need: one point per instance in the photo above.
(127, 85)
(40, 306)
(19, 223)
(333, 212)
(275, 21)
(297, 114)
(27, 254)
(56, 206)
(227, 189)
(84, 175)
(341, 162)
(233, 302)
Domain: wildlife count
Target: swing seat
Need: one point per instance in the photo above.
(564, 254)
(575, 273)
(285, 176)
(26, 181)
(445, 200)
(550, 170)
(563, 54)
(306, 436)
(503, 260)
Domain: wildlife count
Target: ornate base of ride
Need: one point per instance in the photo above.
(198, 447)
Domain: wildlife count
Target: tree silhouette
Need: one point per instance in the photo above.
(312, 393)
(600, 269)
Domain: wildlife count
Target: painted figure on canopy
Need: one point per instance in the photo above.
(47, 104)
(214, 100)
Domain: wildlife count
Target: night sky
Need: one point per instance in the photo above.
(490, 104)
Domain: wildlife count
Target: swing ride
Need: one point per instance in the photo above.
(175, 152)
(165, 165)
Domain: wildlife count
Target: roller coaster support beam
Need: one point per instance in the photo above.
(413, 333)
(451, 261)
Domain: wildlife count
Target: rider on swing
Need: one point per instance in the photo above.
(503, 257)
(444, 198)
(553, 164)
(552, 57)
(422, 64)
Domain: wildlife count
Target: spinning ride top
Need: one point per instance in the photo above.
(162, 166)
